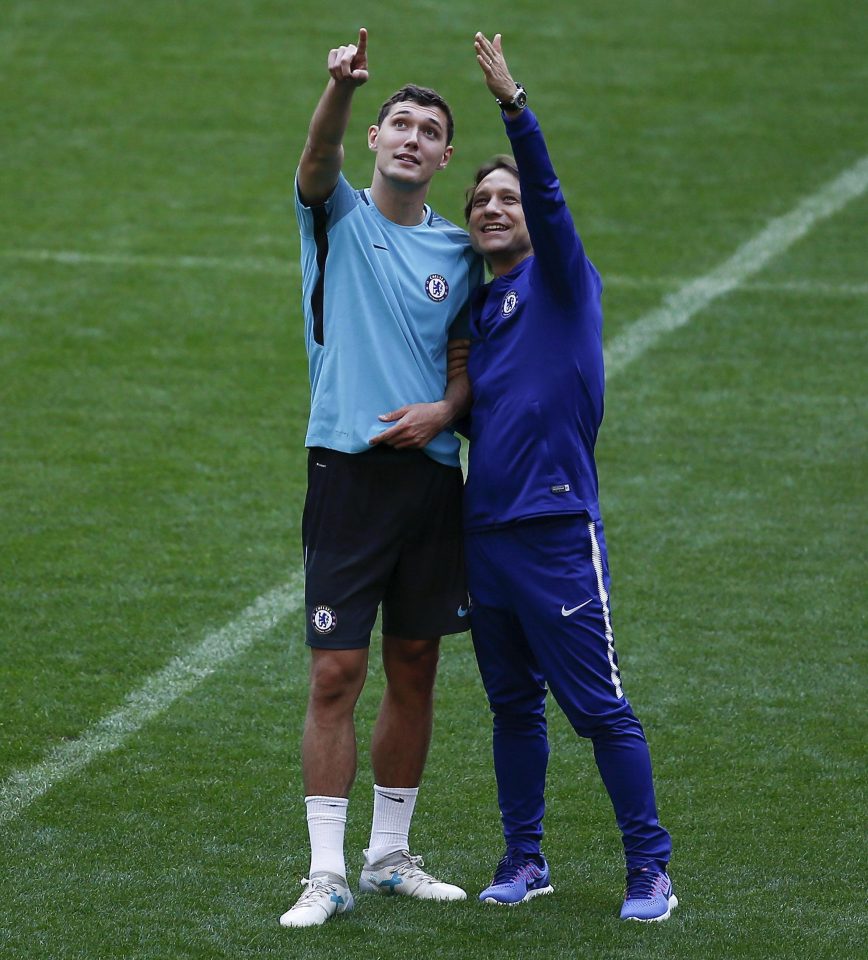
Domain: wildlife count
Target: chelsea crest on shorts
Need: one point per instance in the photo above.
(324, 619)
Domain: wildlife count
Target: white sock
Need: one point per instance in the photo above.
(390, 828)
(326, 821)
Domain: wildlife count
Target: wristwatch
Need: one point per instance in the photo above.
(518, 101)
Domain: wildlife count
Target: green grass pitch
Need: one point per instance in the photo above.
(153, 399)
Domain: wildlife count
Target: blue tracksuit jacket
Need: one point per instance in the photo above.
(536, 363)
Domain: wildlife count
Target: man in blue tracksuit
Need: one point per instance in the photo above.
(536, 553)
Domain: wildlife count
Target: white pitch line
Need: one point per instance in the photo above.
(680, 307)
(809, 288)
(181, 675)
(184, 673)
(806, 288)
(77, 258)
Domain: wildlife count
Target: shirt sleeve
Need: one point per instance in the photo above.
(341, 200)
(558, 250)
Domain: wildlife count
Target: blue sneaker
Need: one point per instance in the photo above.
(518, 878)
(649, 895)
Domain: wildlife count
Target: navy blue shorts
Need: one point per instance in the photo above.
(382, 527)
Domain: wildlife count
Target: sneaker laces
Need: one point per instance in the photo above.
(314, 888)
(411, 869)
(512, 868)
(644, 883)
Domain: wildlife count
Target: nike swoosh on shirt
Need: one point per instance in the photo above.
(378, 247)
(572, 610)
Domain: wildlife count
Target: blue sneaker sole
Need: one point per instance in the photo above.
(539, 892)
(672, 904)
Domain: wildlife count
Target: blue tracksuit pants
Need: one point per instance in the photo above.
(540, 617)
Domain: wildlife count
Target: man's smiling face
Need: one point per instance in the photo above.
(497, 226)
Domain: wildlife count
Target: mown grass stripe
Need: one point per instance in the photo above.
(277, 267)
(181, 675)
(184, 673)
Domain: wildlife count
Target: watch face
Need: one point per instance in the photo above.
(518, 101)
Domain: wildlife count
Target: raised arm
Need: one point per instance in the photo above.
(489, 56)
(323, 154)
(558, 248)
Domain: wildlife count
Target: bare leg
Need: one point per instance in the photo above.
(328, 746)
(402, 733)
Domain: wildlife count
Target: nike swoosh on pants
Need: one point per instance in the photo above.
(572, 610)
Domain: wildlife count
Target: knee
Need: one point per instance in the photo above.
(614, 727)
(410, 665)
(524, 724)
(335, 680)
(519, 711)
(512, 694)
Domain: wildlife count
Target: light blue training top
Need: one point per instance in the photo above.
(380, 302)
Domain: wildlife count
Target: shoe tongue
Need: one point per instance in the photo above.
(641, 881)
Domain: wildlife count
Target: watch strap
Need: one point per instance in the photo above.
(518, 101)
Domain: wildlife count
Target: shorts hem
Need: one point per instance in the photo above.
(324, 643)
(437, 630)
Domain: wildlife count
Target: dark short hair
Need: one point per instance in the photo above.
(425, 97)
(501, 161)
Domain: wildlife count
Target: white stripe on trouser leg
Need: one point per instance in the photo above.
(597, 560)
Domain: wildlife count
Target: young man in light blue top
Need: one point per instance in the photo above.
(385, 289)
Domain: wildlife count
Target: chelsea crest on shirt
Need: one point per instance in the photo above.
(437, 288)
(510, 302)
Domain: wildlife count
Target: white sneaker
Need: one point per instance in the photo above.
(400, 873)
(325, 895)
